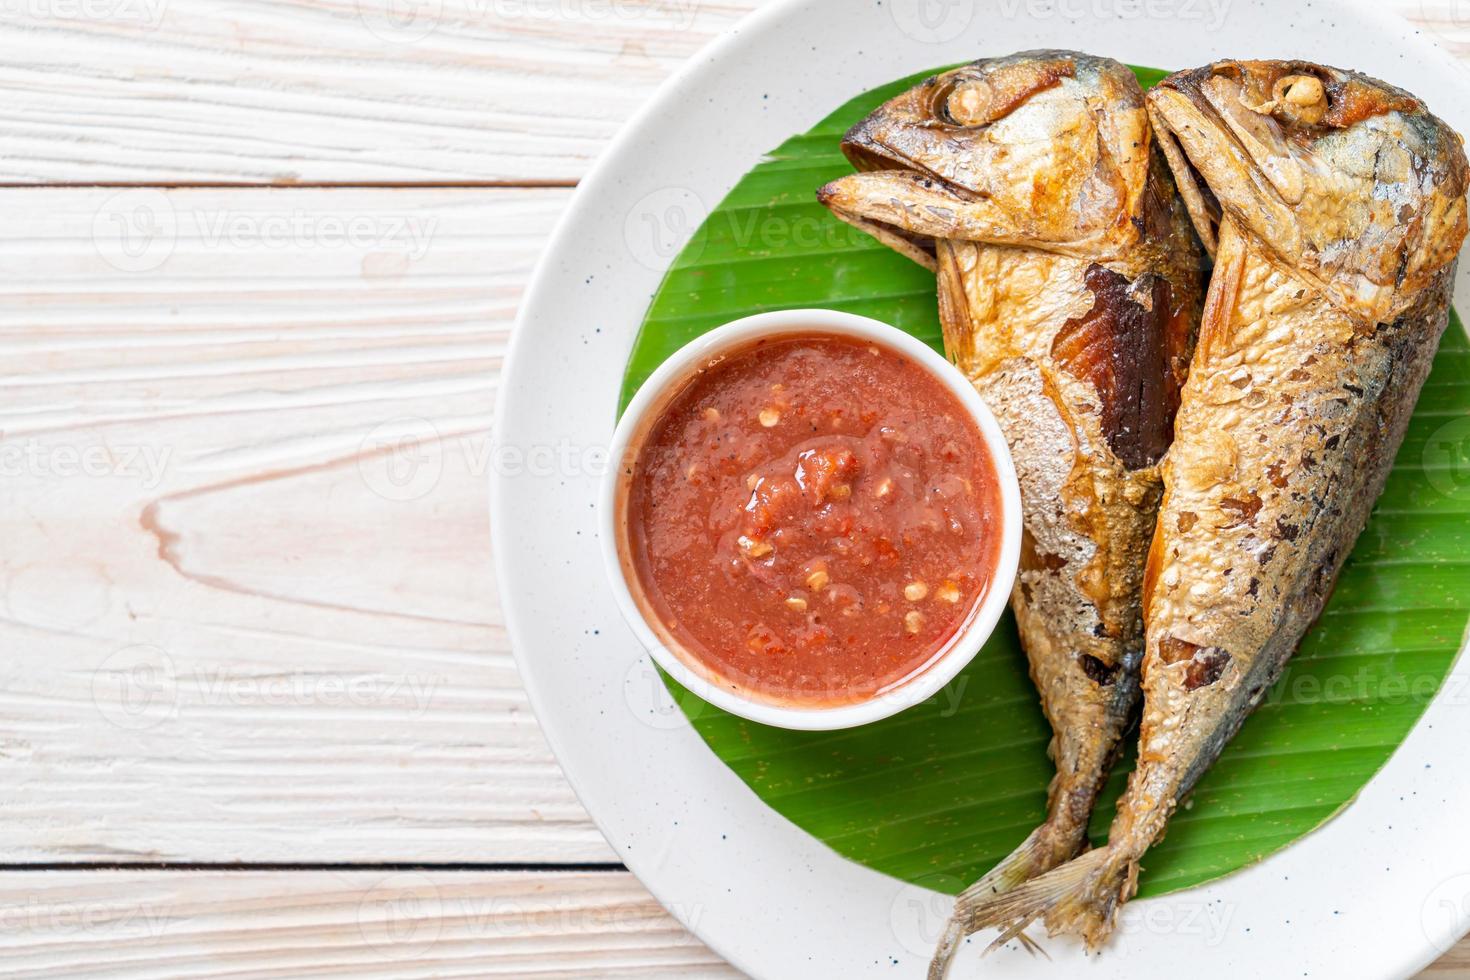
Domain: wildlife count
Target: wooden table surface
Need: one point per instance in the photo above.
(259, 715)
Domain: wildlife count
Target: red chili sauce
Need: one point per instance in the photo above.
(813, 517)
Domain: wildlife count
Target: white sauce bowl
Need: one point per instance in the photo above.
(684, 666)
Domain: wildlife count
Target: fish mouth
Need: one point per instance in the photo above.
(923, 249)
(874, 157)
(869, 154)
(1201, 203)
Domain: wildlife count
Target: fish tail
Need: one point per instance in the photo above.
(1089, 910)
(1036, 854)
(1080, 898)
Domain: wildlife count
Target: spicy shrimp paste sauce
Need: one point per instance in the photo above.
(813, 518)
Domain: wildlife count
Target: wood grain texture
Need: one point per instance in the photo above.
(230, 634)
(122, 925)
(132, 925)
(1454, 965)
(355, 91)
(345, 91)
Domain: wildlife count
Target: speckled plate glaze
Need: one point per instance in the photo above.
(1380, 891)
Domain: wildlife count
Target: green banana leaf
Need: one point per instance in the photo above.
(937, 794)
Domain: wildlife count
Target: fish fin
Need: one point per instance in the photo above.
(955, 320)
(1219, 314)
(1079, 898)
(1033, 854)
(1204, 210)
(949, 944)
(1032, 946)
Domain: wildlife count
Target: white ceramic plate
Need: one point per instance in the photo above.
(1380, 891)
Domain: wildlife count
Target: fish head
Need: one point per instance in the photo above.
(1346, 179)
(1043, 148)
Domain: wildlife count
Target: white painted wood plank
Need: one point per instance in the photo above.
(229, 635)
(276, 91)
(132, 925)
(310, 91)
(360, 924)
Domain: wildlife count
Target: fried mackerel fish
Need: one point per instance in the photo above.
(1335, 208)
(1070, 287)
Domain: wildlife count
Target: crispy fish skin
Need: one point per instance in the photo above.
(1335, 207)
(1069, 289)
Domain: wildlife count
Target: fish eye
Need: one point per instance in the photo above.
(969, 102)
(1300, 98)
